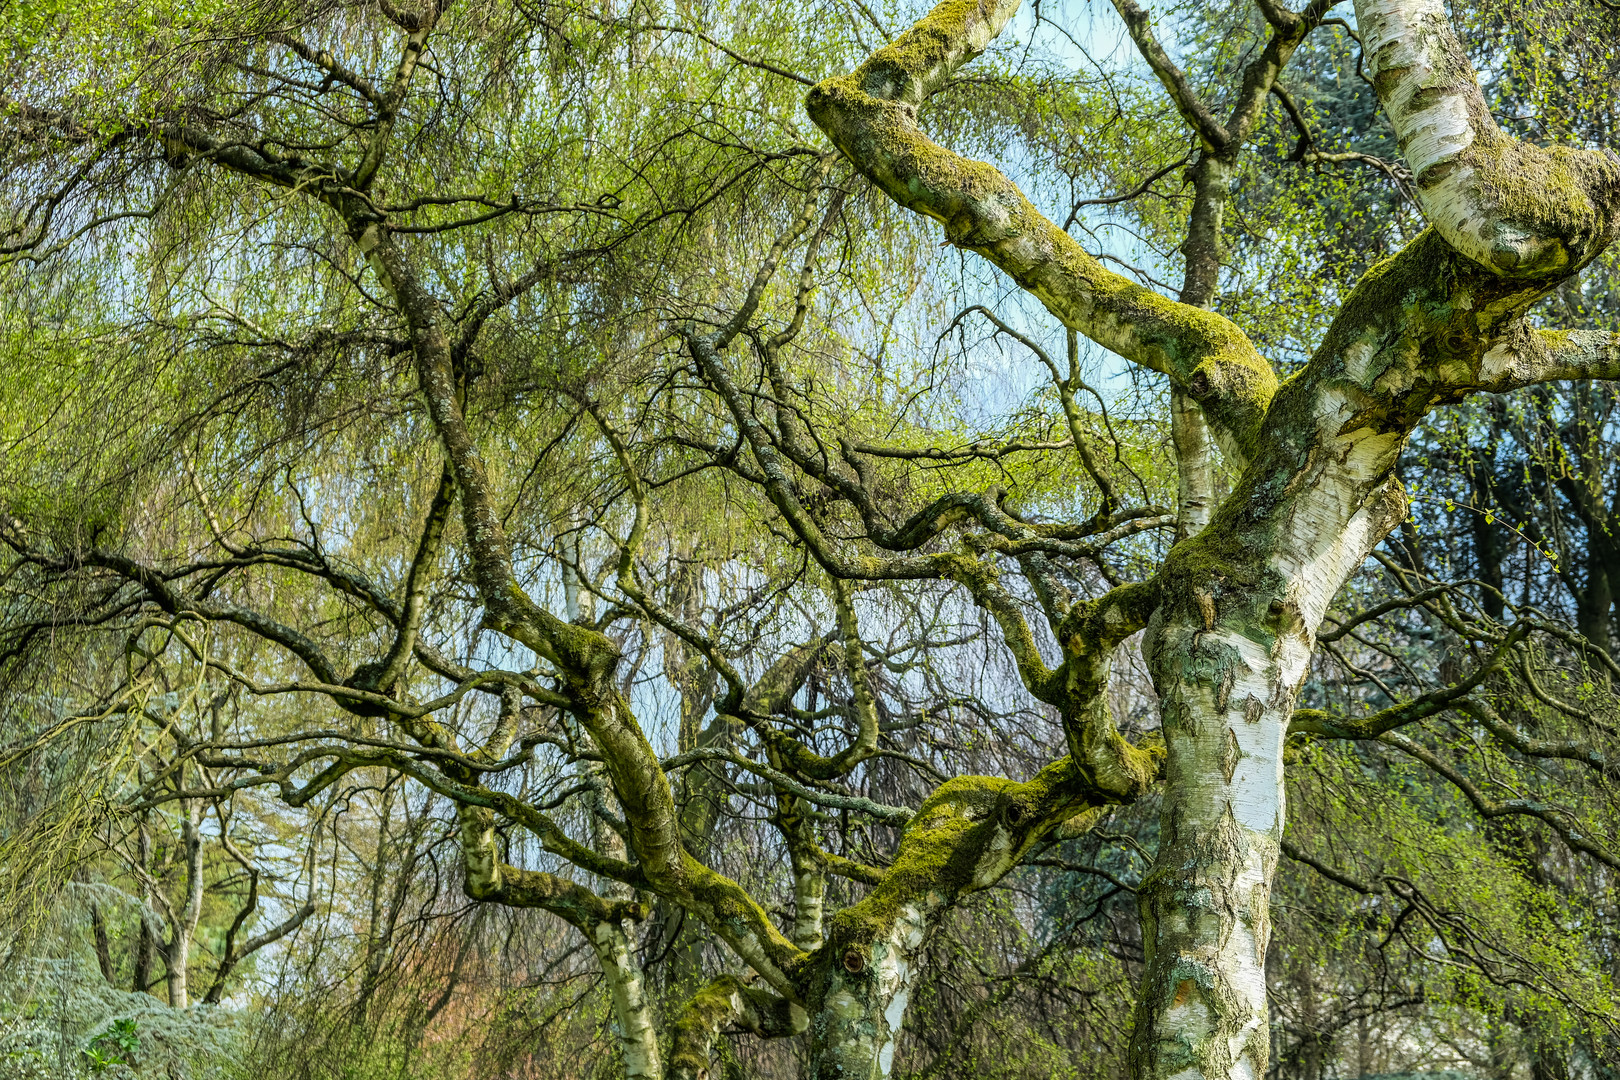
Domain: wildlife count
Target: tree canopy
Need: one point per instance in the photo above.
(818, 539)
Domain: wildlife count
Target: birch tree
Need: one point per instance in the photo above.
(1239, 603)
(438, 449)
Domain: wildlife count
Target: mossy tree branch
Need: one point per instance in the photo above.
(870, 115)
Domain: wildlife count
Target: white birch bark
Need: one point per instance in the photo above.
(863, 1009)
(1513, 207)
(632, 1011)
(183, 927)
(1228, 683)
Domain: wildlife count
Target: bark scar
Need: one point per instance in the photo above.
(1231, 754)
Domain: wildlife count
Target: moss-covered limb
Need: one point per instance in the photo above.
(774, 690)
(870, 116)
(489, 879)
(983, 583)
(1088, 635)
(716, 1005)
(586, 655)
(1525, 356)
(1513, 207)
(864, 745)
(427, 552)
(1566, 749)
(605, 921)
(504, 731)
(330, 65)
(388, 108)
(468, 794)
(779, 487)
(654, 837)
(726, 1001)
(630, 550)
(848, 868)
(966, 836)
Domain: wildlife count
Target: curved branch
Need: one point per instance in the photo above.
(1513, 207)
(870, 116)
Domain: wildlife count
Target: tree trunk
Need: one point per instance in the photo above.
(145, 939)
(861, 1005)
(1228, 652)
(177, 951)
(98, 927)
(605, 923)
(632, 1011)
(1205, 906)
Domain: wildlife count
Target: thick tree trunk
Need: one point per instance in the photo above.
(1228, 651)
(1205, 907)
(862, 1003)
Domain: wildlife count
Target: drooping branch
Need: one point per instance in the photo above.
(1558, 819)
(1318, 722)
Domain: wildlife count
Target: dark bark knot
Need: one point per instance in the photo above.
(854, 961)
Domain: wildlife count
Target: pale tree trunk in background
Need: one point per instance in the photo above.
(606, 922)
(809, 877)
(177, 951)
(632, 1010)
